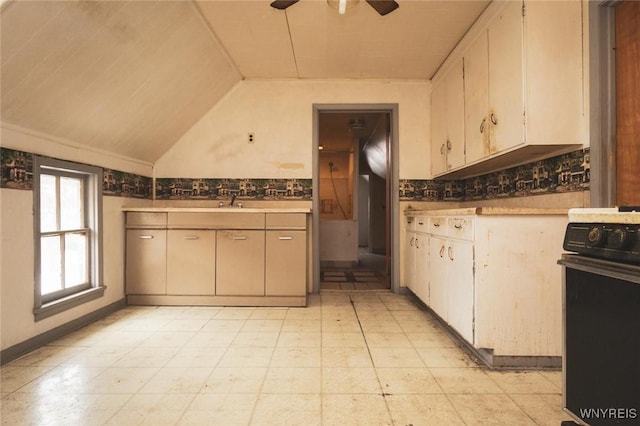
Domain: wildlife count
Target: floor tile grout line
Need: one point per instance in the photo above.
(266, 373)
(382, 393)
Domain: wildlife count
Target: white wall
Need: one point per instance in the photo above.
(17, 244)
(280, 114)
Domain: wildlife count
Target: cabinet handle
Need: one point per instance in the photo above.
(482, 125)
(442, 251)
(146, 237)
(420, 222)
(417, 246)
(436, 224)
(458, 226)
(411, 241)
(191, 237)
(239, 237)
(494, 120)
(442, 149)
(285, 238)
(450, 252)
(448, 145)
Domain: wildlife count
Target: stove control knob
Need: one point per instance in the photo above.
(619, 238)
(596, 237)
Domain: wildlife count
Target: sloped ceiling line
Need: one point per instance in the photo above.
(215, 37)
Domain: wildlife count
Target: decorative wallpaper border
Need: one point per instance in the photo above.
(16, 172)
(563, 173)
(223, 189)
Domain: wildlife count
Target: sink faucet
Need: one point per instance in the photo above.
(233, 198)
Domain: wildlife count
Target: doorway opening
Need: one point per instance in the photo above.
(353, 201)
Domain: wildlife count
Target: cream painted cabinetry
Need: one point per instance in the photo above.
(285, 263)
(417, 257)
(146, 260)
(494, 113)
(240, 263)
(216, 257)
(286, 258)
(493, 279)
(447, 130)
(523, 86)
(191, 266)
(452, 263)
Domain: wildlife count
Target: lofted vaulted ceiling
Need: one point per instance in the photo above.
(131, 77)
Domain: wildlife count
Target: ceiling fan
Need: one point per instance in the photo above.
(383, 7)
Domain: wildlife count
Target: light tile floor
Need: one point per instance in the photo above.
(359, 358)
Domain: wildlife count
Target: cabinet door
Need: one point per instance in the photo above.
(455, 116)
(421, 272)
(506, 103)
(438, 265)
(476, 99)
(409, 260)
(286, 263)
(240, 263)
(146, 261)
(460, 288)
(439, 129)
(191, 262)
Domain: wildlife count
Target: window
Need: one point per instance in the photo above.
(67, 223)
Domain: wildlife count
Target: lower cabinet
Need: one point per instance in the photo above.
(240, 263)
(452, 283)
(460, 288)
(216, 257)
(493, 279)
(146, 261)
(438, 277)
(191, 262)
(421, 280)
(286, 263)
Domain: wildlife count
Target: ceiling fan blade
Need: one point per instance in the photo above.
(384, 7)
(283, 4)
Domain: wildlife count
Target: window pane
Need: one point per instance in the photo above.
(75, 258)
(48, 203)
(70, 203)
(50, 264)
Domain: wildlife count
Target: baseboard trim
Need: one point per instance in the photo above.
(35, 342)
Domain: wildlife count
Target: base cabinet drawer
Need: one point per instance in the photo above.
(240, 263)
(286, 263)
(146, 261)
(191, 262)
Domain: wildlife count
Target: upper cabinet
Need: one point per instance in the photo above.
(522, 88)
(447, 131)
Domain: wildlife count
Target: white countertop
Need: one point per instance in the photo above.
(496, 211)
(214, 210)
(603, 215)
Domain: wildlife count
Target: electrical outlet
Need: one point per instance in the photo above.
(251, 137)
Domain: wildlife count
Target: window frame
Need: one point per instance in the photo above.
(67, 298)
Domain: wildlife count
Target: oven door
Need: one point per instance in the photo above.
(601, 363)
